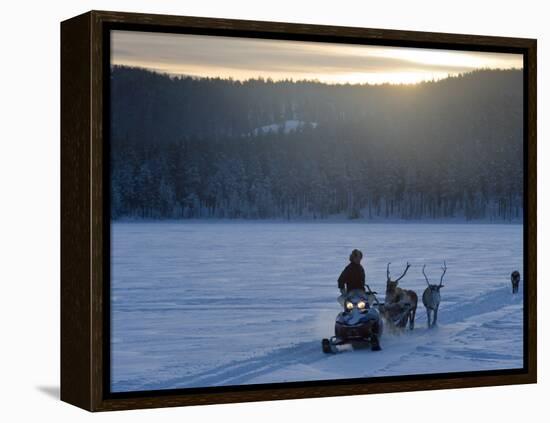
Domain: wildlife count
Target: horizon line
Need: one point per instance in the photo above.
(175, 75)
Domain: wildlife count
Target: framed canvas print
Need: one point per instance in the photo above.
(261, 210)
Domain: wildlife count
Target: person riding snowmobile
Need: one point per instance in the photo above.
(352, 277)
(359, 323)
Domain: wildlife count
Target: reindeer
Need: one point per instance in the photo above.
(400, 301)
(431, 296)
(515, 277)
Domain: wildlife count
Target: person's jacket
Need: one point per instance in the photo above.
(352, 277)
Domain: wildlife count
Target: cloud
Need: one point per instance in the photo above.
(243, 58)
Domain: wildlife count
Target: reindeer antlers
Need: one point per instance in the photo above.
(424, 273)
(444, 268)
(404, 273)
(400, 277)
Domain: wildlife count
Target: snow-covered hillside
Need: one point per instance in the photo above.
(284, 127)
(213, 303)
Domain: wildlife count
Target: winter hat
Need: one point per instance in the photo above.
(355, 253)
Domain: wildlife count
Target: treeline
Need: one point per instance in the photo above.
(184, 147)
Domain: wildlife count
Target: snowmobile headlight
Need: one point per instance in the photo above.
(349, 305)
(361, 305)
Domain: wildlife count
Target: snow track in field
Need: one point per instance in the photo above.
(196, 334)
(420, 351)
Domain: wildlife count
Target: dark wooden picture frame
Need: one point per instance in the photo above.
(85, 316)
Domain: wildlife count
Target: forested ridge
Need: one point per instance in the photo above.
(184, 147)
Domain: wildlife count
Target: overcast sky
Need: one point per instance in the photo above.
(244, 58)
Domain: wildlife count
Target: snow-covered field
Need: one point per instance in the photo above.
(199, 304)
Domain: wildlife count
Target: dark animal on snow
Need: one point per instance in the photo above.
(400, 304)
(515, 277)
(432, 297)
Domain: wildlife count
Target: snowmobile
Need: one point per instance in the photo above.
(358, 325)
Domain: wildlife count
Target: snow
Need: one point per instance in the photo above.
(285, 127)
(222, 303)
